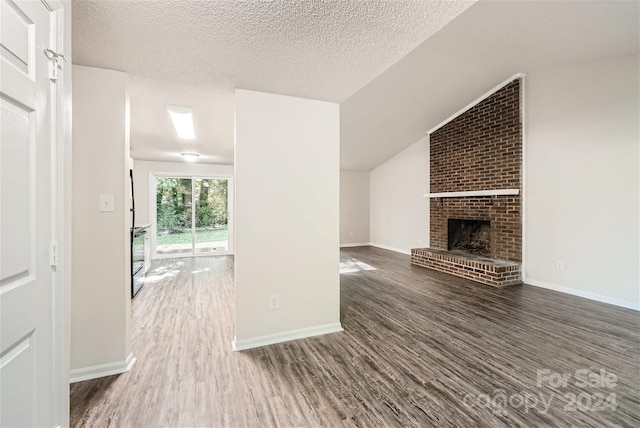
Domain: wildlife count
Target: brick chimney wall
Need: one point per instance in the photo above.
(481, 150)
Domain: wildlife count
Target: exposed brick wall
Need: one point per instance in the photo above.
(481, 150)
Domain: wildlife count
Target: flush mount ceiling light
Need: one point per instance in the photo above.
(182, 118)
(190, 157)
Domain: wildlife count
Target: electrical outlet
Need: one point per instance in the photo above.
(350, 233)
(419, 241)
(560, 265)
(274, 302)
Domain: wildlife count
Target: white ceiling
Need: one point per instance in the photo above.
(398, 68)
(196, 53)
(481, 48)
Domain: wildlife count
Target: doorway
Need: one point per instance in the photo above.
(192, 216)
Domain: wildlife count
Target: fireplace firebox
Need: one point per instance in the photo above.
(470, 236)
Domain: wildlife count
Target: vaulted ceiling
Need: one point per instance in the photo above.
(484, 46)
(396, 67)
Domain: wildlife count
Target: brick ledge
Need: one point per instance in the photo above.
(497, 273)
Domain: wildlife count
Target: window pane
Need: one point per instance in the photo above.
(173, 215)
(211, 215)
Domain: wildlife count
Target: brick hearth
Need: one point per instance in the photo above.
(497, 273)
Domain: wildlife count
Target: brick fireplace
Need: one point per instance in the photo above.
(475, 180)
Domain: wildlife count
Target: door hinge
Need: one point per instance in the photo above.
(53, 254)
(56, 63)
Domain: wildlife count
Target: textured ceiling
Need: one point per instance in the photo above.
(197, 52)
(398, 68)
(481, 48)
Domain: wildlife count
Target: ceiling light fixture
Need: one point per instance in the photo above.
(182, 118)
(190, 157)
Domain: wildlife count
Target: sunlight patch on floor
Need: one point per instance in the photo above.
(352, 265)
(162, 272)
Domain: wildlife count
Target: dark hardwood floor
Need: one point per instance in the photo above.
(420, 348)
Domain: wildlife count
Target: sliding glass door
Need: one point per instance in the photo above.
(192, 216)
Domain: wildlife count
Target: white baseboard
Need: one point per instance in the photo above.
(359, 244)
(385, 247)
(270, 339)
(586, 294)
(102, 370)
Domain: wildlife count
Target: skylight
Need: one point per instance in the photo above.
(182, 118)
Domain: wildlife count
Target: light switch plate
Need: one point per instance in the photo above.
(106, 203)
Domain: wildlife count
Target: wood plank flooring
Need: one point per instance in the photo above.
(420, 348)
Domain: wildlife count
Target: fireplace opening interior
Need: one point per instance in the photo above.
(470, 236)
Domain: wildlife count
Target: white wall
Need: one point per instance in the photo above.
(141, 170)
(354, 208)
(287, 217)
(581, 180)
(399, 211)
(100, 271)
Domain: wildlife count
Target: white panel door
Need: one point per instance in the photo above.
(26, 216)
